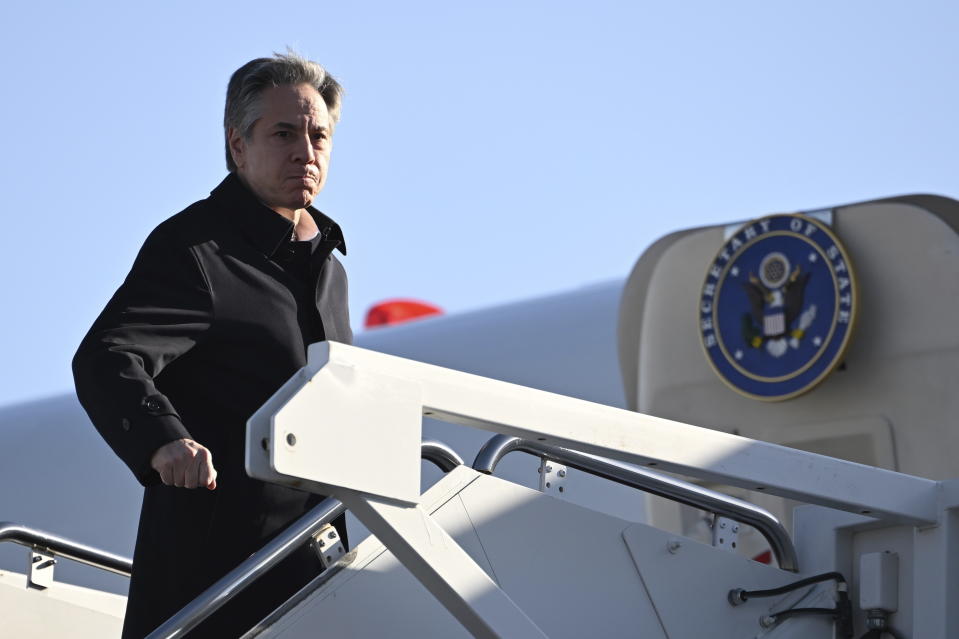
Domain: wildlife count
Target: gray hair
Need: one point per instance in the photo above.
(249, 81)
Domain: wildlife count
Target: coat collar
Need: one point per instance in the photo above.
(264, 227)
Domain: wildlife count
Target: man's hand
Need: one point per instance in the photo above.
(185, 464)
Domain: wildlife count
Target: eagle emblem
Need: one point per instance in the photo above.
(778, 306)
(777, 318)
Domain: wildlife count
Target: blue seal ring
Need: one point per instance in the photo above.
(778, 307)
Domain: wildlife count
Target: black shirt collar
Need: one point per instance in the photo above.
(264, 227)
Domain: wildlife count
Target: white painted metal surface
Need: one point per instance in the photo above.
(491, 520)
(928, 561)
(341, 426)
(438, 562)
(582, 574)
(602, 430)
(452, 576)
(58, 611)
(688, 584)
(879, 581)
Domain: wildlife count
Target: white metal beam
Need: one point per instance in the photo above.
(936, 572)
(610, 432)
(438, 562)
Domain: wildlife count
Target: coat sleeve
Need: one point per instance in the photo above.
(162, 309)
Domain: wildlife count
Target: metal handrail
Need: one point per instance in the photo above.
(63, 547)
(235, 581)
(298, 533)
(674, 489)
(440, 454)
(432, 450)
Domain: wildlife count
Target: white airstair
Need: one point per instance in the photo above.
(477, 555)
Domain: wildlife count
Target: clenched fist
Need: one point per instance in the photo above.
(185, 464)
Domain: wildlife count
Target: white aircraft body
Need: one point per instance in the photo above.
(559, 549)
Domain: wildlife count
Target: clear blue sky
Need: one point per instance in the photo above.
(487, 152)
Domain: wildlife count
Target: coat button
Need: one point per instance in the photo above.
(125, 424)
(152, 404)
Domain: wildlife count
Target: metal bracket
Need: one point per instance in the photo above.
(725, 533)
(328, 545)
(552, 477)
(40, 573)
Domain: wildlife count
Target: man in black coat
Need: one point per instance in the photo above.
(215, 315)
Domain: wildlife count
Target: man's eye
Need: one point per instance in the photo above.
(282, 134)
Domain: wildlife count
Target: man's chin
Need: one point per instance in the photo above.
(301, 200)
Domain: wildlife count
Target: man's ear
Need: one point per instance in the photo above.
(237, 147)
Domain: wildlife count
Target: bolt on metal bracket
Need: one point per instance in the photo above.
(40, 573)
(552, 477)
(725, 533)
(328, 545)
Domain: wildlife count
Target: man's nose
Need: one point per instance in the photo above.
(303, 152)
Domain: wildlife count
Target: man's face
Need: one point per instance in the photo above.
(285, 160)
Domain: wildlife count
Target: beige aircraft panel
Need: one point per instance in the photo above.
(893, 402)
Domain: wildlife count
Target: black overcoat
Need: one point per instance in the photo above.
(215, 315)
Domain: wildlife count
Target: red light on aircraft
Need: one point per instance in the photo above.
(398, 311)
